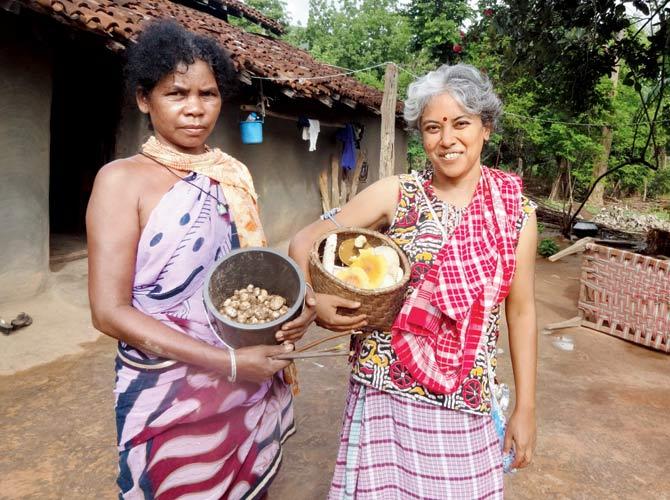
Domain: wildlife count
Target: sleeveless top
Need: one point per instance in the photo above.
(374, 362)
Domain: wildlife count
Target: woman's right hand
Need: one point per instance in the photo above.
(257, 364)
(327, 317)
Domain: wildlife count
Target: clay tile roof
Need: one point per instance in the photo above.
(253, 55)
(242, 10)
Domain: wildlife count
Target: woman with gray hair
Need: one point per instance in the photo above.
(418, 420)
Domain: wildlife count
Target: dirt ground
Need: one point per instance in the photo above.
(603, 406)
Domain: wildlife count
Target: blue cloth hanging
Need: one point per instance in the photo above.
(303, 122)
(346, 136)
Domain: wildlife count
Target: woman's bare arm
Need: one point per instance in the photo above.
(522, 328)
(372, 208)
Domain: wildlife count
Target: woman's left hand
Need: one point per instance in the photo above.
(521, 431)
(295, 329)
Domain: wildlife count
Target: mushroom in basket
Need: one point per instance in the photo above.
(363, 266)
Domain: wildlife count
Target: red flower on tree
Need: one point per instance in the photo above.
(457, 48)
(488, 12)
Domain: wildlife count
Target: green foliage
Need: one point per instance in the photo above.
(436, 27)
(560, 44)
(416, 156)
(540, 228)
(663, 215)
(659, 183)
(551, 62)
(357, 34)
(547, 247)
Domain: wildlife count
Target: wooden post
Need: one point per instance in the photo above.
(357, 174)
(335, 181)
(343, 189)
(387, 153)
(323, 188)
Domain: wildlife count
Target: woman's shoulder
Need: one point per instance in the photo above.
(528, 208)
(122, 167)
(383, 193)
(125, 176)
(382, 186)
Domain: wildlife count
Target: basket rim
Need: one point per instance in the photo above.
(404, 261)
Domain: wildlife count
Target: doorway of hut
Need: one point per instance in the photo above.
(85, 109)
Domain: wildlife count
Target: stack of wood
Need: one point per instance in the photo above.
(335, 186)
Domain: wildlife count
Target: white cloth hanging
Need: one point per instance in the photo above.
(313, 133)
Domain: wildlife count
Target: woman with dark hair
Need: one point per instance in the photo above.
(194, 419)
(418, 420)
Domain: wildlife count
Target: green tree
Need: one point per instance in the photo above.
(358, 34)
(552, 61)
(437, 27)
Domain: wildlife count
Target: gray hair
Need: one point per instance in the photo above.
(472, 90)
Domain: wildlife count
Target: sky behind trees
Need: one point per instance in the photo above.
(299, 10)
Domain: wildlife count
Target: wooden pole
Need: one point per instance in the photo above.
(387, 153)
(335, 181)
(323, 188)
(357, 174)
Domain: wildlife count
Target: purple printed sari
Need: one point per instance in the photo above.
(184, 432)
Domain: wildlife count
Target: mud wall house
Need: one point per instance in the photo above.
(64, 113)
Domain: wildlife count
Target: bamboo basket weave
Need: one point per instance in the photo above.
(626, 295)
(380, 305)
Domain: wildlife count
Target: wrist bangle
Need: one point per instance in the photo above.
(330, 215)
(233, 366)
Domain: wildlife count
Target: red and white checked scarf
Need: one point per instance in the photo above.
(442, 324)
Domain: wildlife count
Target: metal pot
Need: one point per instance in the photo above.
(262, 267)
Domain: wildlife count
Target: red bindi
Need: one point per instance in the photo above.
(444, 118)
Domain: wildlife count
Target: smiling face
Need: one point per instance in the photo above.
(183, 106)
(452, 138)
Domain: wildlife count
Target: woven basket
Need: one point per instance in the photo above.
(626, 295)
(381, 305)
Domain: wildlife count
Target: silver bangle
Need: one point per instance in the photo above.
(233, 366)
(330, 215)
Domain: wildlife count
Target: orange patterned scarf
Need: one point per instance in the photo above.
(231, 174)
